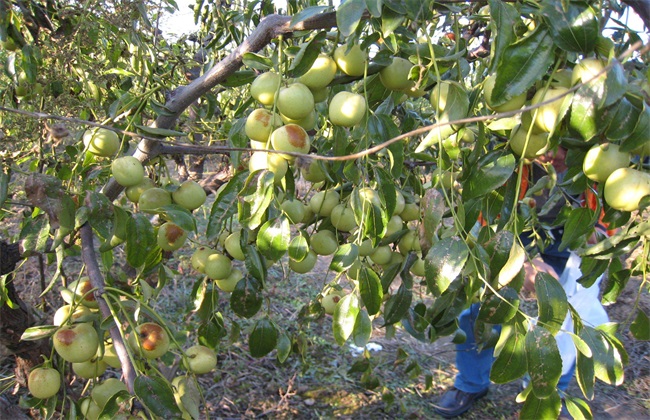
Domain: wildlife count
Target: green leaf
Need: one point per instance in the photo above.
(306, 13)
(578, 225)
(374, 7)
(362, 329)
(273, 238)
(37, 333)
(284, 347)
(225, 206)
(444, 263)
(305, 58)
(551, 301)
(640, 327)
(387, 190)
(510, 364)
(536, 408)
(263, 339)
(544, 362)
(456, 103)
(255, 198)
(492, 173)
(583, 118)
(255, 263)
(626, 115)
(157, 395)
(345, 316)
(299, 247)
(5, 175)
(521, 65)
(257, 61)
(578, 408)
(246, 300)
(574, 25)
(432, 208)
(239, 78)
(639, 135)
(499, 308)
(608, 366)
(160, 132)
(585, 375)
(504, 16)
(615, 84)
(140, 238)
(371, 292)
(178, 215)
(348, 16)
(344, 257)
(397, 305)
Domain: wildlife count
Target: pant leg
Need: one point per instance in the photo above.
(473, 366)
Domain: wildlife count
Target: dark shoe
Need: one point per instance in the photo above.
(455, 402)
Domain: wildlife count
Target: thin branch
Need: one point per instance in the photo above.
(97, 281)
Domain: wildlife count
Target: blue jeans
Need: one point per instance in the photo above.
(474, 366)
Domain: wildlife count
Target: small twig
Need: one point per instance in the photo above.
(97, 281)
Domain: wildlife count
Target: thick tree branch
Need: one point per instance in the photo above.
(181, 98)
(97, 280)
(642, 8)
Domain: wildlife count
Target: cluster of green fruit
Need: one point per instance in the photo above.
(77, 341)
(603, 163)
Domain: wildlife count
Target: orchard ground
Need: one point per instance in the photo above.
(411, 375)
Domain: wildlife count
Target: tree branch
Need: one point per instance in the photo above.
(182, 97)
(642, 8)
(97, 281)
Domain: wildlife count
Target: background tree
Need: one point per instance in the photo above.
(415, 176)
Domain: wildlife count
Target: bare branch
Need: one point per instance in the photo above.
(97, 281)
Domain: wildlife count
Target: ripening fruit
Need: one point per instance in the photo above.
(150, 340)
(320, 94)
(63, 315)
(200, 257)
(323, 202)
(330, 301)
(347, 109)
(171, 237)
(190, 195)
(294, 210)
(394, 225)
(603, 159)
(80, 292)
(261, 123)
(264, 88)
(537, 143)
(320, 74)
(127, 171)
(306, 264)
(625, 188)
(382, 255)
(396, 75)
(324, 242)
(229, 283)
(411, 212)
(353, 62)
(290, 138)
(586, 70)
(546, 117)
(233, 246)
(342, 218)
(76, 343)
(308, 123)
(90, 369)
(154, 198)
(409, 242)
(103, 392)
(218, 266)
(366, 248)
(44, 382)
(510, 105)
(134, 192)
(110, 356)
(417, 269)
(314, 172)
(200, 359)
(101, 142)
(399, 203)
(295, 101)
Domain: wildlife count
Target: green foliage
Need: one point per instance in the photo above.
(468, 193)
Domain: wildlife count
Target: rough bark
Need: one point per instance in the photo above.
(15, 320)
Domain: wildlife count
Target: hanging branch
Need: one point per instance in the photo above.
(97, 281)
